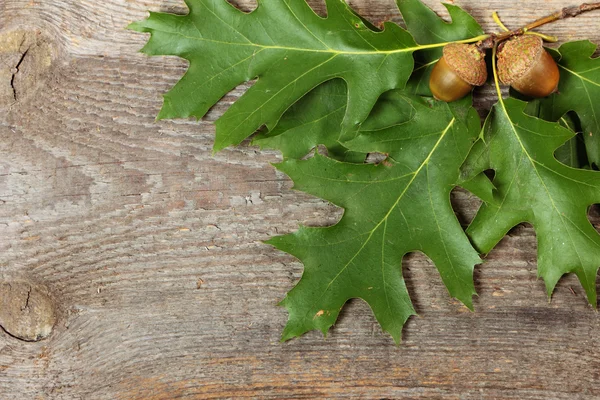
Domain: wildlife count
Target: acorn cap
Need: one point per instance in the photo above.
(467, 61)
(518, 56)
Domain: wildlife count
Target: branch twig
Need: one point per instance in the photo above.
(567, 12)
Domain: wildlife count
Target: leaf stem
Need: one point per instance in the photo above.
(499, 22)
(475, 39)
(495, 73)
(546, 38)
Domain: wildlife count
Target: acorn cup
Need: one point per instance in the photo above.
(527, 67)
(461, 67)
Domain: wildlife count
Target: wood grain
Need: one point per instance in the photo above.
(152, 248)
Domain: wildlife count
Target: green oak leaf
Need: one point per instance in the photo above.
(284, 44)
(532, 186)
(579, 91)
(572, 153)
(317, 117)
(427, 28)
(395, 207)
(314, 119)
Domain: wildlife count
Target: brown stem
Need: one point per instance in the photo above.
(567, 12)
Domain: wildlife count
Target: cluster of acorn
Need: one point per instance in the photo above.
(522, 63)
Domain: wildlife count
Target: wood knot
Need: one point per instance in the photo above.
(26, 310)
(25, 59)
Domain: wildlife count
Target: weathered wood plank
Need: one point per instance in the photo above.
(151, 247)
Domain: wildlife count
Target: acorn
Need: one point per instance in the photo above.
(461, 67)
(527, 67)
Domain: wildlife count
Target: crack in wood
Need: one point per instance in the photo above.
(26, 306)
(15, 70)
(14, 336)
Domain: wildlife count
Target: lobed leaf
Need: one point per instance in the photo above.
(313, 120)
(393, 208)
(316, 120)
(317, 117)
(579, 91)
(572, 153)
(532, 186)
(287, 47)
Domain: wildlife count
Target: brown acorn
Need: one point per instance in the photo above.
(524, 64)
(461, 67)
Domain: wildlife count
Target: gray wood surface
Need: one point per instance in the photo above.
(147, 251)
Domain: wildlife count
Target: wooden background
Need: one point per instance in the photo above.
(145, 253)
